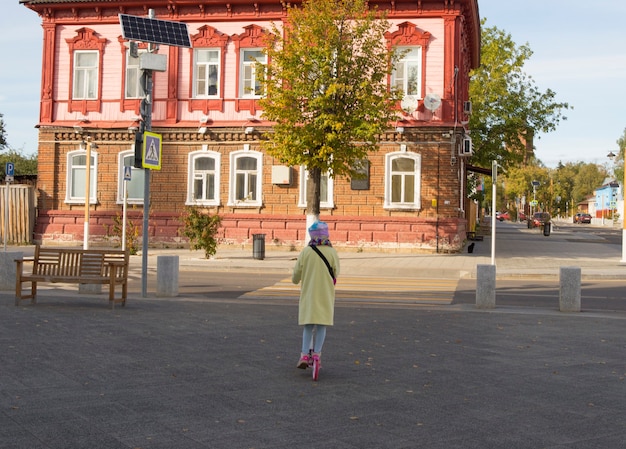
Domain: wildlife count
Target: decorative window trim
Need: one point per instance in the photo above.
(191, 157)
(253, 37)
(330, 186)
(120, 177)
(232, 182)
(85, 39)
(208, 37)
(415, 205)
(69, 199)
(408, 35)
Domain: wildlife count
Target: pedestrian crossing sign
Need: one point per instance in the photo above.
(151, 151)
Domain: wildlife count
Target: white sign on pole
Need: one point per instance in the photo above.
(127, 173)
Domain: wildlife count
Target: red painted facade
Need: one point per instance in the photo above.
(447, 33)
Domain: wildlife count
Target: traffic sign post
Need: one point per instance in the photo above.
(154, 32)
(9, 171)
(127, 178)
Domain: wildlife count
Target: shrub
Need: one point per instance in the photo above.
(132, 233)
(201, 230)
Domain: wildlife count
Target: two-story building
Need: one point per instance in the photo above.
(205, 107)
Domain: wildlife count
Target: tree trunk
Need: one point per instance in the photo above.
(313, 190)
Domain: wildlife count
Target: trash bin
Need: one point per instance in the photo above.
(546, 229)
(258, 246)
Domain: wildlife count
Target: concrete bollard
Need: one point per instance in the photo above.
(569, 291)
(167, 276)
(485, 286)
(7, 269)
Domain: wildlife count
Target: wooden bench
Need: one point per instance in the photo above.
(75, 266)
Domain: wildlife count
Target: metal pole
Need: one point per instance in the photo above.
(87, 196)
(624, 215)
(124, 215)
(146, 188)
(147, 119)
(6, 214)
(494, 179)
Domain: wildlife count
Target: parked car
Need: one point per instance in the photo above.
(582, 218)
(503, 216)
(521, 216)
(539, 219)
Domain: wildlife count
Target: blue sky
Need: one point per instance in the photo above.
(579, 52)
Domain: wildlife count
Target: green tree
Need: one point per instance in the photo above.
(618, 162)
(24, 165)
(508, 109)
(559, 189)
(3, 134)
(326, 89)
(588, 179)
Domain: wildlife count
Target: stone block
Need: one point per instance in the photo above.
(167, 276)
(569, 289)
(7, 269)
(485, 286)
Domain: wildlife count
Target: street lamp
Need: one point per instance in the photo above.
(612, 156)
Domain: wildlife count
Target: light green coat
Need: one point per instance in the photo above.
(317, 295)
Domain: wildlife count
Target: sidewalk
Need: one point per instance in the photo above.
(520, 253)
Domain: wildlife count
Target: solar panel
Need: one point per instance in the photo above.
(155, 31)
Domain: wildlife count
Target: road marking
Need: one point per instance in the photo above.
(371, 290)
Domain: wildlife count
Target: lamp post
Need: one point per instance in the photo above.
(612, 156)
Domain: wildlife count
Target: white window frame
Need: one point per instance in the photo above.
(197, 93)
(72, 170)
(85, 78)
(253, 79)
(416, 203)
(412, 59)
(233, 172)
(329, 203)
(133, 75)
(136, 177)
(192, 176)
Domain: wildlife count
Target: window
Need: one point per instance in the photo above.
(250, 85)
(85, 75)
(206, 72)
(134, 187)
(86, 50)
(77, 177)
(326, 190)
(246, 168)
(134, 89)
(407, 74)
(402, 180)
(204, 178)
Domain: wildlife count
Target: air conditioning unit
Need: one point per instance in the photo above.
(466, 147)
(467, 107)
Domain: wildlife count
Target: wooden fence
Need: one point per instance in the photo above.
(22, 209)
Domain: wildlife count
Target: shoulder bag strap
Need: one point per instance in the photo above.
(330, 269)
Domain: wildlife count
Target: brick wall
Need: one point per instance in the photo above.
(358, 218)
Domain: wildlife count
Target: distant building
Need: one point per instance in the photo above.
(414, 193)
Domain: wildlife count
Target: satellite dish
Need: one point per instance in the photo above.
(409, 104)
(432, 102)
